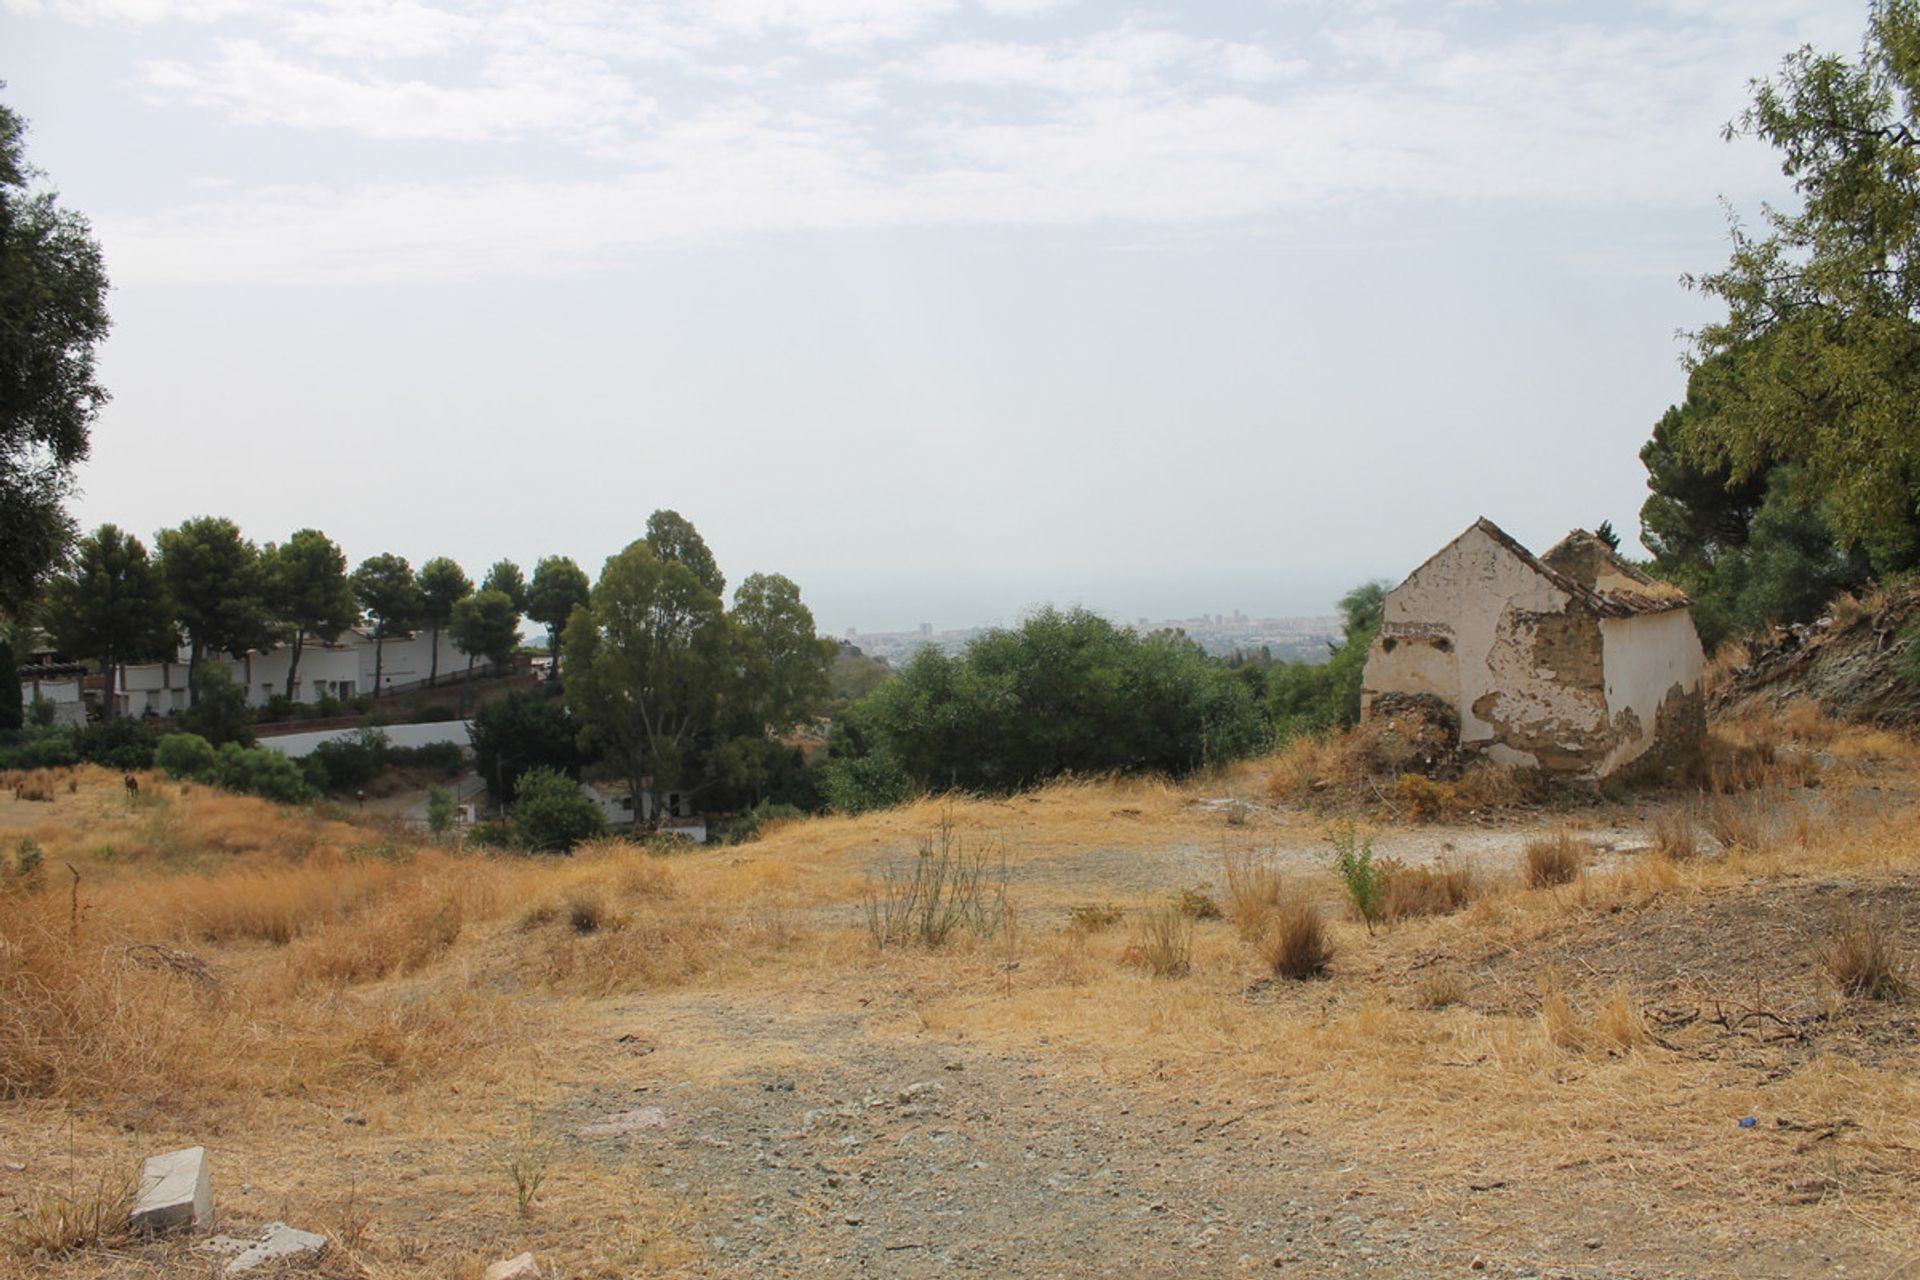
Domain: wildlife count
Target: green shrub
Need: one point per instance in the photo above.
(493, 835)
(121, 743)
(185, 755)
(440, 809)
(1353, 860)
(350, 763)
(865, 782)
(41, 748)
(551, 814)
(219, 713)
(260, 772)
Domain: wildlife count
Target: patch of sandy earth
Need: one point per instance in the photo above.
(1123, 874)
(828, 1142)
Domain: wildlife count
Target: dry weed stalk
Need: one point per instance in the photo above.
(1164, 946)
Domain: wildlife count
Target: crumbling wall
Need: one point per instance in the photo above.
(1653, 668)
(1548, 706)
(1448, 632)
(1532, 675)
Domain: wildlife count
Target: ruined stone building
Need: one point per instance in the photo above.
(1574, 662)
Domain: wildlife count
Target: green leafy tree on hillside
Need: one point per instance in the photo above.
(647, 658)
(672, 538)
(486, 625)
(441, 584)
(559, 587)
(213, 576)
(111, 605)
(524, 730)
(53, 314)
(307, 593)
(505, 577)
(385, 589)
(1817, 363)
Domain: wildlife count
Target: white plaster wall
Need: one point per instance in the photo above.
(1646, 656)
(408, 658)
(1468, 587)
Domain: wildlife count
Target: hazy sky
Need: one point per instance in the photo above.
(941, 308)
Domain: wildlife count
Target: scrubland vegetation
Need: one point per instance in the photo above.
(1572, 991)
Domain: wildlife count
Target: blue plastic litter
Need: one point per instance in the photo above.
(1749, 1122)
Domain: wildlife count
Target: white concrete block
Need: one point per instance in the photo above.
(175, 1191)
(520, 1268)
(278, 1242)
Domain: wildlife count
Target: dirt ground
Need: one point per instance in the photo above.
(1034, 1105)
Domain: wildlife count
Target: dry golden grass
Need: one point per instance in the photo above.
(1295, 943)
(437, 992)
(1254, 886)
(1860, 953)
(1556, 860)
(1408, 892)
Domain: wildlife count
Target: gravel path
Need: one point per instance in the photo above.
(826, 1146)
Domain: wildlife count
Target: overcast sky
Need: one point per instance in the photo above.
(942, 308)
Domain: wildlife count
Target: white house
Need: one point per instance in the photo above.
(1574, 662)
(674, 817)
(60, 685)
(342, 669)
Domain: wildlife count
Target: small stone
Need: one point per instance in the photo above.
(852, 1221)
(1592, 1243)
(175, 1191)
(1478, 1264)
(921, 1089)
(519, 1268)
(14, 1166)
(278, 1242)
(353, 1117)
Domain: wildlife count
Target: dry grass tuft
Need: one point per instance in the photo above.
(1164, 946)
(1295, 943)
(1408, 892)
(1860, 953)
(1093, 917)
(1555, 861)
(1676, 836)
(1441, 988)
(1617, 1026)
(49, 1222)
(1312, 769)
(1253, 890)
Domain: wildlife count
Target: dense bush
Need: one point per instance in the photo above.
(260, 772)
(219, 713)
(856, 784)
(519, 732)
(551, 814)
(185, 755)
(743, 827)
(38, 748)
(1066, 692)
(121, 743)
(349, 764)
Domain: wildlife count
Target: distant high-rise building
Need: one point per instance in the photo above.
(926, 628)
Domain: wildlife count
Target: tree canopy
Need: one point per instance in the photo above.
(673, 688)
(1064, 692)
(53, 314)
(440, 585)
(386, 591)
(213, 576)
(1816, 365)
(559, 586)
(306, 592)
(111, 604)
